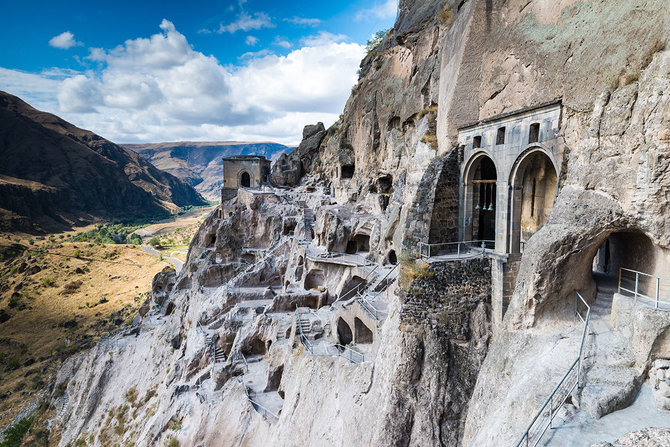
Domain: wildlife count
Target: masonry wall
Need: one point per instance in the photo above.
(445, 300)
(444, 221)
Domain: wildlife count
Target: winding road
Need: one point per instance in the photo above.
(152, 251)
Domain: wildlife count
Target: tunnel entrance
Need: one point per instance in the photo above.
(344, 334)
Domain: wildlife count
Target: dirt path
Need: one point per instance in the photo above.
(178, 264)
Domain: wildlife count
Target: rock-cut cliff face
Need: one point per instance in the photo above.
(290, 324)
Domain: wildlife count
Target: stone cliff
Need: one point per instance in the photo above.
(302, 316)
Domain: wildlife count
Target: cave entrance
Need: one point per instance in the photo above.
(481, 191)
(344, 334)
(355, 283)
(621, 255)
(363, 333)
(533, 179)
(245, 180)
(359, 243)
(315, 279)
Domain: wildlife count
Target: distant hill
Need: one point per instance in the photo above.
(55, 174)
(199, 163)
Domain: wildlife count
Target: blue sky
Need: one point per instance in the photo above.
(172, 70)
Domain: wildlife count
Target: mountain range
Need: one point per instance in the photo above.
(55, 175)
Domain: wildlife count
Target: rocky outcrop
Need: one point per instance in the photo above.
(289, 168)
(54, 174)
(649, 437)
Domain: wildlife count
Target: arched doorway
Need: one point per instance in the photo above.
(344, 334)
(481, 193)
(245, 180)
(533, 180)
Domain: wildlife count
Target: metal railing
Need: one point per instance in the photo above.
(340, 351)
(368, 307)
(239, 356)
(257, 406)
(544, 418)
(456, 249)
(650, 290)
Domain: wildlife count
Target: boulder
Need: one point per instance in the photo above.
(288, 169)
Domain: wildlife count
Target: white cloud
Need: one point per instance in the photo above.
(159, 88)
(64, 41)
(381, 11)
(305, 21)
(282, 42)
(246, 22)
(322, 38)
(251, 40)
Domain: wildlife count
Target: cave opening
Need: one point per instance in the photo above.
(363, 334)
(347, 171)
(344, 334)
(315, 279)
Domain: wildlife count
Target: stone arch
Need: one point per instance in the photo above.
(480, 177)
(245, 179)
(344, 334)
(363, 334)
(534, 183)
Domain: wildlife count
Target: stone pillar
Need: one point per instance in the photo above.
(465, 212)
(515, 220)
(502, 197)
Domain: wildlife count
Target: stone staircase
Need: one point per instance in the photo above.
(308, 220)
(217, 353)
(63, 404)
(610, 380)
(305, 325)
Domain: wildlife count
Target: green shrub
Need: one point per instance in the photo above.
(14, 434)
(155, 242)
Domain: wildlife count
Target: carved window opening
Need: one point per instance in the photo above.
(477, 142)
(500, 137)
(534, 133)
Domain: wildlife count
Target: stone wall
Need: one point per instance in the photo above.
(444, 221)
(446, 297)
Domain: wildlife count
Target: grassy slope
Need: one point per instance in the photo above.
(52, 317)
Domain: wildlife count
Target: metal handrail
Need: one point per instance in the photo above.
(255, 403)
(553, 403)
(353, 356)
(368, 307)
(638, 294)
(428, 252)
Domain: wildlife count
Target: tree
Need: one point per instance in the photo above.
(154, 242)
(376, 40)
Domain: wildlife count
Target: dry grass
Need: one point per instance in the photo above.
(431, 140)
(62, 308)
(446, 15)
(411, 269)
